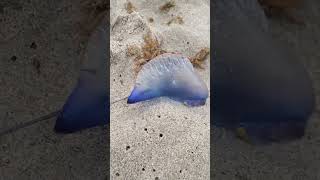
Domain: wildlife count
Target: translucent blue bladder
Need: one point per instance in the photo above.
(171, 75)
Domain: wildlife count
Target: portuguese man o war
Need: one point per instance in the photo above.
(171, 75)
(88, 104)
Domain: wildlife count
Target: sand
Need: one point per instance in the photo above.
(160, 138)
(298, 160)
(37, 152)
(39, 66)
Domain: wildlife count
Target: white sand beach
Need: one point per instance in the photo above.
(137, 150)
(160, 138)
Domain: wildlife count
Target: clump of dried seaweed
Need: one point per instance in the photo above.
(177, 20)
(167, 6)
(198, 59)
(276, 8)
(281, 4)
(130, 7)
(92, 13)
(152, 48)
(133, 50)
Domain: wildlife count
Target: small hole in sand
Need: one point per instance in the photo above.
(128, 147)
(13, 58)
(33, 45)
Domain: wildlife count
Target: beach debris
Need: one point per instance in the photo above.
(282, 8)
(176, 20)
(171, 75)
(130, 7)
(281, 3)
(133, 50)
(199, 58)
(150, 49)
(167, 6)
(93, 12)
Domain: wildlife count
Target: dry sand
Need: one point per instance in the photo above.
(39, 65)
(298, 160)
(37, 152)
(160, 138)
